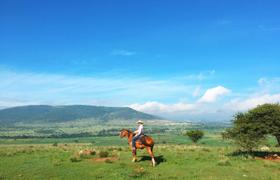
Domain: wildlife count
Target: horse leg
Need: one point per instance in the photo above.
(150, 151)
(133, 143)
(133, 154)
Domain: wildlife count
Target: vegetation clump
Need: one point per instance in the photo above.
(75, 159)
(250, 128)
(86, 154)
(195, 135)
(103, 154)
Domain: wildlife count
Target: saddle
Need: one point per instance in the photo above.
(141, 139)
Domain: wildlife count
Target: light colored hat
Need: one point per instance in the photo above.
(140, 122)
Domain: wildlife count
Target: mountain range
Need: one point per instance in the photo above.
(57, 114)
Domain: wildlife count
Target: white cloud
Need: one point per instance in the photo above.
(160, 108)
(212, 94)
(251, 102)
(196, 91)
(122, 52)
(8, 102)
(184, 111)
(269, 84)
(18, 88)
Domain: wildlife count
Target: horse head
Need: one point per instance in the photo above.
(124, 133)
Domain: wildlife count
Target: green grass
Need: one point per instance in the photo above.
(177, 159)
(175, 162)
(168, 138)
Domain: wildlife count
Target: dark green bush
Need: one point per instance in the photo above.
(195, 135)
(75, 159)
(250, 128)
(103, 154)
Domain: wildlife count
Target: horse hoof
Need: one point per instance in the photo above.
(154, 162)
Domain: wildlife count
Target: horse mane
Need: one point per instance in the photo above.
(127, 130)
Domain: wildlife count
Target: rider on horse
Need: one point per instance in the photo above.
(146, 141)
(138, 133)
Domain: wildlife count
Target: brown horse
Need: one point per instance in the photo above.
(144, 142)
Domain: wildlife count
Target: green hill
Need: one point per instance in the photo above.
(56, 114)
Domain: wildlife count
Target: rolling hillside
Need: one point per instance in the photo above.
(45, 113)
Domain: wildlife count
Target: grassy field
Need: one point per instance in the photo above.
(177, 158)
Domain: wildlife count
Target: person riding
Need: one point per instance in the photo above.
(138, 133)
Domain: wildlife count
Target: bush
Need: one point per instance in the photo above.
(246, 132)
(108, 161)
(55, 144)
(103, 154)
(85, 156)
(195, 135)
(250, 128)
(75, 159)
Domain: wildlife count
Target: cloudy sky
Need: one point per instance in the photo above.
(188, 60)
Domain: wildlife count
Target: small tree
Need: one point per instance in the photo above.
(267, 118)
(195, 135)
(251, 127)
(245, 134)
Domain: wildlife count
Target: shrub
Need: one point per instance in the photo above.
(55, 144)
(103, 154)
(206, 149)
(75, 159)
(92, 153)
(108, 161)
(245, 132)
(250, 128)
(85, 156)
(195, 135)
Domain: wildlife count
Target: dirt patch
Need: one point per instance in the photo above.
(105, 159)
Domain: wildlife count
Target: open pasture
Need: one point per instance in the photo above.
(177, 158)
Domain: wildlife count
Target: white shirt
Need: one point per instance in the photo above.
(140, 129)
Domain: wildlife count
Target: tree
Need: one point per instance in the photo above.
(267, 117)
(245, 134)
(250, 128)
(195, 135)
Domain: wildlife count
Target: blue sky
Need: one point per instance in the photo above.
(196, 60)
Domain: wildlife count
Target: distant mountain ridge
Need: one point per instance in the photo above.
(56, 114)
